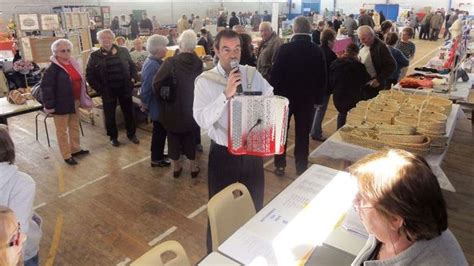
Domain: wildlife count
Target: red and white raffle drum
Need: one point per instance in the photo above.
(257, 125)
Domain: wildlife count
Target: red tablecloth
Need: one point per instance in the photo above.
(341, 44)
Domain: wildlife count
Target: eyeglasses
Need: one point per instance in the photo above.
(16, 238)
(357, 204)
(65, 50)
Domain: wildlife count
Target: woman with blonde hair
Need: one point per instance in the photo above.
(11, 238)
(402, 208)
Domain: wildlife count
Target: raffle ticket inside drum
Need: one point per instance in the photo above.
(258, 125)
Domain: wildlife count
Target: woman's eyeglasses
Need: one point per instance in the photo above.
(357, 204)
(16, 238)
(65, 50)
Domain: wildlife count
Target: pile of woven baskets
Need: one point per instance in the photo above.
(396, 119)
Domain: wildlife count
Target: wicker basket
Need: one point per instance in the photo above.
(434, 116)
(430, 131)
(357, 137)
(367, 139)
(361, 124)
(412, 139)
(384, 129)
(434, 108)
(443, 102)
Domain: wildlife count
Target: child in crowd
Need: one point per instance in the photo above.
(347, 75)
(406, 46)
(402, 62)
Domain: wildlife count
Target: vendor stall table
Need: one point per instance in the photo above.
(334, 147)
(299, 226)
(8, 110)
(460, 93)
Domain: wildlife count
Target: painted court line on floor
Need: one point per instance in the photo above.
(55, 243)
(426, 55)
(39, 206)
(24, 131)
(198, 211)
(132, 164)
(82, 186)
(124, 262)
(162, 236)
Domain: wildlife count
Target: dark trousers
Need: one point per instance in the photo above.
(158, 139)
(341, 119)
(434, 34)
(425, 32)
(198, 136)
(319, 112)
(126, 105)
(225, 169)
(182, 143)
(303, 116)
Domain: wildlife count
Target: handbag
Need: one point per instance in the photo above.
(168, 86)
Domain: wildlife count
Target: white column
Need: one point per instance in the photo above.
(275, 13)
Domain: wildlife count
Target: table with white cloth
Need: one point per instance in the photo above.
(302, 224)
(459, 94)
(9, 110)
(334, 147)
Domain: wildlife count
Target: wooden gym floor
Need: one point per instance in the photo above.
(113, 207)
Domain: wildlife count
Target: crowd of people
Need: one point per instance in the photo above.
(181, 99)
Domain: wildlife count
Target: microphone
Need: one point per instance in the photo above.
(234, 63)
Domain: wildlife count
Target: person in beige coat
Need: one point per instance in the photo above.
(267, 49)
(183, 24)
(436, 22)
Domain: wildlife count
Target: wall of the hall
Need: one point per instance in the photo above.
(167, 12)
(353, 6)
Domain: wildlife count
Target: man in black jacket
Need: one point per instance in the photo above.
(299, 73)
(112, 73)
(234, 20)
(377, 59)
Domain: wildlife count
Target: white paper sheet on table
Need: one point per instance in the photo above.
(334, 147)
(293, 223)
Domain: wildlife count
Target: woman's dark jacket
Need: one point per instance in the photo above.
(330, 56)
(177, 116)
(346, 77)
(56, 89)
(96, 74)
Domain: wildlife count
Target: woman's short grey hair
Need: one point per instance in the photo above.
(155, 42)
(58, 42)
(301, 25)
(105, 31)
(365, 30)
(187, 41)
(7, 148)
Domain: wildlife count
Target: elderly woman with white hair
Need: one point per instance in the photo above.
(156, 46)
(176, 113)
(112, 73)
(63, 89)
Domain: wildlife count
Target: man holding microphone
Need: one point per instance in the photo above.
(213, 91)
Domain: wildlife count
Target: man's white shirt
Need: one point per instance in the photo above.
(210, 108)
